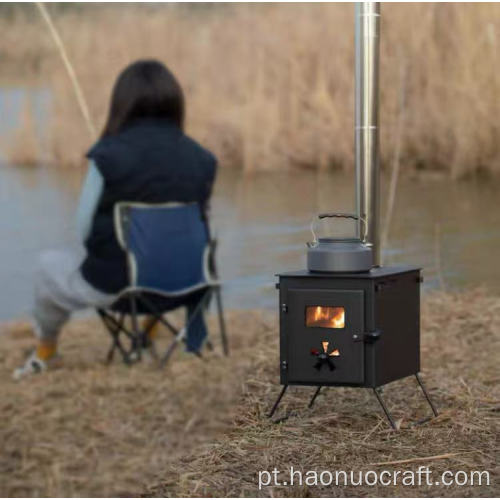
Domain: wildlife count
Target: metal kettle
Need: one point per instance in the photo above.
(347, 255)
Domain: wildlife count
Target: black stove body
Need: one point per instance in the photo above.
(377, 339)
(350, 329)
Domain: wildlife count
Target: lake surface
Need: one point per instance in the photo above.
(262, 223)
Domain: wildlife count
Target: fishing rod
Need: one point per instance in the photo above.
(82, 103)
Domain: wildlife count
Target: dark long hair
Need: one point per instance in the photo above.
(144, 89)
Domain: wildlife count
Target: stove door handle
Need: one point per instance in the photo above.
(373, 336)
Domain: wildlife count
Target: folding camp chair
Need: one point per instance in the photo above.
(171, 263)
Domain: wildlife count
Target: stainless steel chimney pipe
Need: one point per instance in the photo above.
(367, 25)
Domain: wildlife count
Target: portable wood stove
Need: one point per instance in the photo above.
(347, 321)
(350, 329)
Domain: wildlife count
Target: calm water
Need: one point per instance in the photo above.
(262, 223)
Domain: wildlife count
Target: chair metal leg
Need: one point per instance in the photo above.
(115, 328)
(172, 347)
(222, 323)
(277, 402)
(157, 315)
(161, 319)
(110, 322)
(112, 331)
(139, 337)
(315, 395)
(138, 342)
(182, 333)
(115, 334)
(426, 394)
(384, 407)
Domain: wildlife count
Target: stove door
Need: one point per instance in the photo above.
(324, 332)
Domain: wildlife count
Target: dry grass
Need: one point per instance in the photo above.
(199, 428)
(346, 431)
(271, 86)
(90, 430)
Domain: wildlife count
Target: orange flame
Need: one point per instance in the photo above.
(335, 352)
(326, 317)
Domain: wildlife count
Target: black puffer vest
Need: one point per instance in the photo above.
(149, 161)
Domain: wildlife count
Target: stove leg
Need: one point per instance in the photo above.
(277, 402)
(426, 394)
(315, 395)
(384, 407)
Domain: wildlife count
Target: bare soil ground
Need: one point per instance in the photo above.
(199, 428)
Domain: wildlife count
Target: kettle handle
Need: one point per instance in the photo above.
(340, 216)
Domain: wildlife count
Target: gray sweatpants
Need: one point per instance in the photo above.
(60, 289)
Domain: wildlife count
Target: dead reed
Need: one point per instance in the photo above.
(271, 86)
(199, 429)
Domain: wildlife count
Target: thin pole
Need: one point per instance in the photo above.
(366, 133)
(277, 402)
(384, 407)
(315, 395)
(426, 394)
(397, 157)
(82, 103)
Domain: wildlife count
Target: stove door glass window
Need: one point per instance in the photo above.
(325, 317)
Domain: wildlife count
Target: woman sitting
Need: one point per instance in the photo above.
(144, 156)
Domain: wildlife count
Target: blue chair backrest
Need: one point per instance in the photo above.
(167, 245)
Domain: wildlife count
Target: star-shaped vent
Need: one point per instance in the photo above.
(324, 357)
